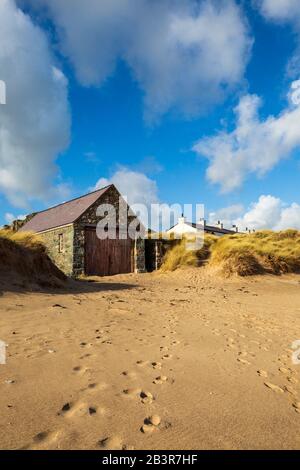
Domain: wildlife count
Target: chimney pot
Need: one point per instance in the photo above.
(182, 219)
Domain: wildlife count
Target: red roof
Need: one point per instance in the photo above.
(63, 214)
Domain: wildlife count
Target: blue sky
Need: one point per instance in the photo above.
(109, 122)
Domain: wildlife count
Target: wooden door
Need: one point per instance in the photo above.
(107, 257)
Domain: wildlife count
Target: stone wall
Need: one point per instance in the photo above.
(90, 218)
(63, 259)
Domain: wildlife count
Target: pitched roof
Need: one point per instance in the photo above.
(211, 228)
(63, 214)
(208, 228)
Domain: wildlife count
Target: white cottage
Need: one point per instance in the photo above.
(183, 227)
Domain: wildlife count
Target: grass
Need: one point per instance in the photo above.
(24, 256)
(180, 255)
(28, 240)
(242, 254)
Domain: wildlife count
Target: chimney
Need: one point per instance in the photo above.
(202, 222)
(236, 228)
(220, 225)
(181, 220)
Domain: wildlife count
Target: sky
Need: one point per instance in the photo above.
(173, 101)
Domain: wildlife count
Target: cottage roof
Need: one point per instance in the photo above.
(208, 228)
(63, 214)
(211, 228)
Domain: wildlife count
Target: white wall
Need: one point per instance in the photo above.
(182, 228)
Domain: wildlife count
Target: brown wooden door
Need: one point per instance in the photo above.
(107, 257)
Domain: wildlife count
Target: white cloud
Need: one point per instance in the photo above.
(142, 195)
(265, 213)
(268, 212)
(9, 217)
(34, 123)
(225, 215)
(284, 12)
(280, 10)
(184, 55)
(255, 145)
(135, 186)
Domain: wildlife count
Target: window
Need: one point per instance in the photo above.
(60, 243)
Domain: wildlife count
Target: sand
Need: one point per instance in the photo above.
(157, 361)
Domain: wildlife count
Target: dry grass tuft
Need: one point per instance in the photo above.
(180, 256)
(258, 253)
(26, 239)
(243, 254)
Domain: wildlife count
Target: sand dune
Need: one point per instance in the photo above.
(156, 361)
(26, 264)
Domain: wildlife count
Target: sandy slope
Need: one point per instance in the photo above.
(210, 358)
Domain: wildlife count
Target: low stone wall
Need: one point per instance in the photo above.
(63, 259)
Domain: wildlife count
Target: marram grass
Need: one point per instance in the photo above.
(242, 254)
(26, 239)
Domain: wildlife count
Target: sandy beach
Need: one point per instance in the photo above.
(185, 360)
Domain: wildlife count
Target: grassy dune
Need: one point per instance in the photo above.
(242, 254)
(23, 259)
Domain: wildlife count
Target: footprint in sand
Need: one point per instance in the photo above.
(111, 443)
(243, 353)
(296, 405)
(96, 387)
(129, 374)
(284, 370)
(150, 424)
(243, 361)
(85, 345)
(141, 363)
(132, 392)
(43, 439)
(167, 356)
(147, 397)
(290, 390)
(85, 355)
(156, 365)
(293, 380)
(262, 373)
(81, 370)
(42, 436)
(274, 387)
(70, 410)
(161, 379)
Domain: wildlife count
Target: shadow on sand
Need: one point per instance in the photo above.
(68, 287)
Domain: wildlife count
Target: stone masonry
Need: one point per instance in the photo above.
(70, 257)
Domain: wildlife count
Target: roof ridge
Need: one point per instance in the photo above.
(74, 199)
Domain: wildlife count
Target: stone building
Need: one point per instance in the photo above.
(69, 233)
